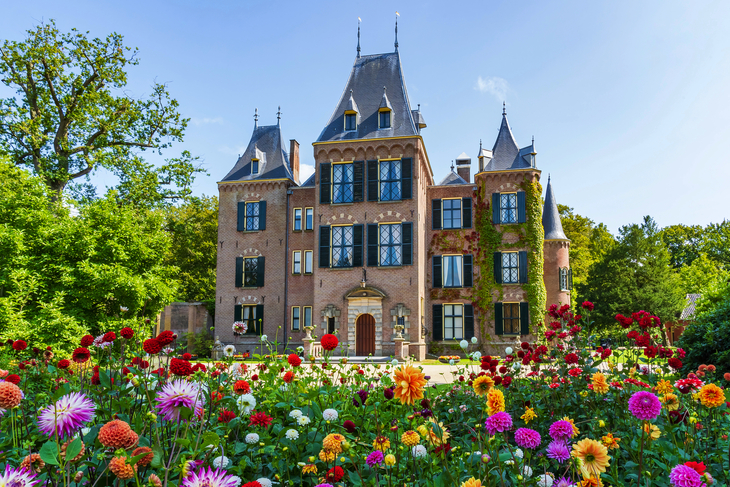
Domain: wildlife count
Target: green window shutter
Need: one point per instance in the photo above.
(570, 279)
(468, 321)
(324, 246)
(524, 318)
(407, 243)
(523, 266)
(239, 271)
(373, 244)
(241, 225)
(498, 321)
(259, 319)
(260, 266)
(436, 214)
(495, 208)
(325, 182)
(357, 245)
(468, 270)
(436, 276)
(438, 323)
(498, 267)
(406, 178)
(373, 181)
(262, 215)
(358, 181)
(238, 313)
(466, 213)
(521, 210)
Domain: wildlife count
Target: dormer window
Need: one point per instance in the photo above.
(254, 166)
(350, 121)
(384, 119)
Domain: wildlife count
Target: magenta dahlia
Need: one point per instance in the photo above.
(561, 430)
(527, 438)
(644, 405)
(684, 476)
(558, 450)
(67, 415)
(210, 478)
(19, 477)
(498, 423)
(179, 394)
(375, 458)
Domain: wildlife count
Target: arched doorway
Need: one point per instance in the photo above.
(365, 335)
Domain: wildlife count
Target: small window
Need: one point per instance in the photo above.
(564, 285)
(297, 219)
(343, 248)
(451, 213)
(297, 262)
(385, 119)
(391, 244)
(331, 325)
(401, 320)
(308, 261)
(453, 321)
(309, 219)
(254, 166)
(390, 180)
(307, 316)
(248, 313)
(342, 183)
(250, 271)
(295, 325)
(511, 318)
(508, 205)
(510, 268)
(350, 121)
(452, 270)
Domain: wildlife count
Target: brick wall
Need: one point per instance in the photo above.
(556, 256)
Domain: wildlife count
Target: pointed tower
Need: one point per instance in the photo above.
(558, 276)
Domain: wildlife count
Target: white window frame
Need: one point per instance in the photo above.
(296, 262)
(456, 332)
(446, 268)
(308, 261)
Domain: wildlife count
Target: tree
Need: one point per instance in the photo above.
(701, 275)
(683, 242)
(635, 274)
(71, 115)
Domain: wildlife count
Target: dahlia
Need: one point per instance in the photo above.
(145, 460)
(664, 387)
(600, 386)
(110, 336)
(120, 468)
(432, 432)
(610, 441)
(87, 341)
(226, 416)
(10, 395)
(333, 442)
(652, 431)
(670, 401)
(17, 477)
(67, 415)
(209, 478)
(327, 456)
(561, 430)
(246, 403)
(33, 463)
(712, 396)
(329, 342)
(63, 364)
(545, 480)
(360, 398)
(381, 443)
(472, 482)
(495, 401)
(527, 438)
(409, 384)
(252, 438)
(563, 482)
(684, 476)
(375, 458)
(410, 438)
(81, 355)
(13, 379)
(154, 480)
(20, 345)
(419, 451)
(165, 337)
(644, 405)
(264, 482)
(498, 423)
(349, 426)
(292, 434)
(127, 333)
(288, 377)
(181, 368)
(593, 457)
(558, 450)
(529, 415)
(179, 394)
(329, 415)
(310, 468)
(241, 387)
(294, 360)
(260, 419)
(482, 384)
(335, 474)
(152, 346)
(115, 434)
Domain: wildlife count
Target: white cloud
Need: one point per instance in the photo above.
(305, 171)
(206, 120)
(495, 86)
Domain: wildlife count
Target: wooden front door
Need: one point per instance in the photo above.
(365, 336)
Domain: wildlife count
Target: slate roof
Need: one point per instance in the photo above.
(452, 178)
(368, 77)
(689, 311)
(551, 217)
(267, 145)
(506, 154)
(308, 182)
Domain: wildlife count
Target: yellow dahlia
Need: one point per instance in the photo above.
(670, 401)
(381, 443)
(529, 415)
(409, 383)
(472, 482)
(576, 431)
(309, 469)
(610, 441)
(327, 456)
(333, 443)
(652, 431)
(410, 438)
(712, 396)
(482, 384)
(664, 387)
(495, 401)
(390, 459)
(600, 386)
(593, 457)
(433, 430)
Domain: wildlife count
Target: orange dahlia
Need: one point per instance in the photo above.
(436, 434)
(712, 396)
(409, 383)
(381, 443)
(33, 463)
(664, 387)
(600, 386)
(115, 434)
(119, 467)
(154, 480)
(333, 443)
(145, 460)
(132, 440)
(610, 441)
(327, 456)
(472, 482)
(482, 384)
(410, 438)
(10, 395)
(495, 401)
(593, 457)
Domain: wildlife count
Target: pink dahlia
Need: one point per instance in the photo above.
(561, 430)
(19, 477)
(527, 438)
(684, 476)
(498, 423)
(375, 458)
(558, 450)
(644, 405)
(210, 478)
(179, 394)
(67, 415)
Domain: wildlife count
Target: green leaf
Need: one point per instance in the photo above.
(183, 442)
(157, 461)
(211, 439)
(49, 453)
(104, 379)
(73, 449)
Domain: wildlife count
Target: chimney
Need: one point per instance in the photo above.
(294, 159)
(463, 167)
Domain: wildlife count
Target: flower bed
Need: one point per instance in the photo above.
(123, 411)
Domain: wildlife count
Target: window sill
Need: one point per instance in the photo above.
(296, 231)
(343, 204)
(339, 268)
(390, 201)
(250, 231)
(250, 287)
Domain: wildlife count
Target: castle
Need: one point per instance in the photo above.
(372, 248)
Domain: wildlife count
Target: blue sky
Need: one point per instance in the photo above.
(628, 101)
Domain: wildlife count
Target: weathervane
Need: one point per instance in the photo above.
(255, 118)
(358, 37)
(396, 30)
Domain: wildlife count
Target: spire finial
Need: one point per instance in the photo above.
(278, 116)
(396, 30)
(504, 108)
(419, 107)
(255, 118)
(480, 146)
(358, 37)
(533, 143)
(452, 166)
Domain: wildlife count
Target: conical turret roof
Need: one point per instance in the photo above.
(551, 216)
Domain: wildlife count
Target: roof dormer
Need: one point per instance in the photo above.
(352, 115)
(385, 112)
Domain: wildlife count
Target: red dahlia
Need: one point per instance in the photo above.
(252, 484)
(87, 341)
(260, 419)
(19, 345)
(13, 379)
(226, 416)
(335, 474)
(571, 358)
(198, 367)
(166, 337)
(187, 356)
(294, 360)
(127, 333)
(63, 364)
(110, 336)
(329, 342)
(81, 355)
(180, 367)
(241, 387)
(288, 377)
(152, 346)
